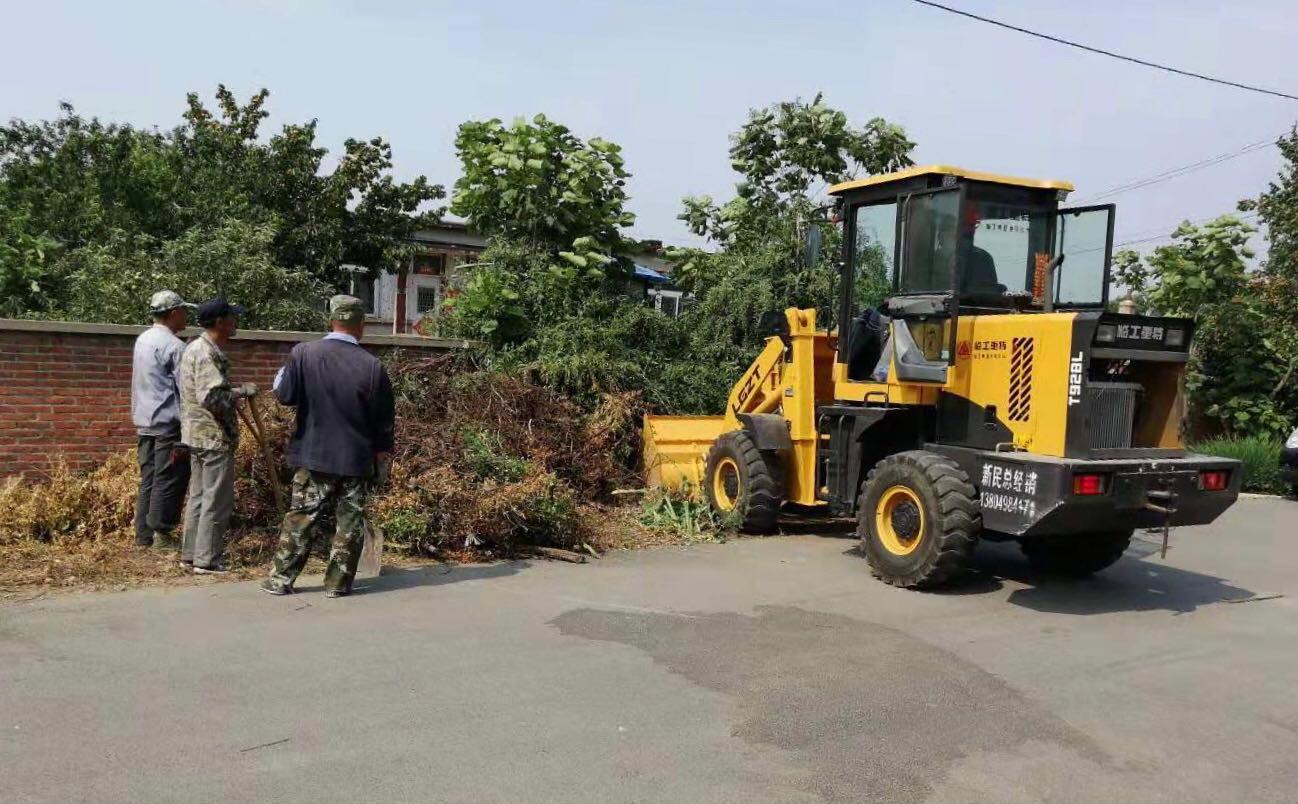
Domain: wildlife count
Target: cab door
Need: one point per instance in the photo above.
(1084, 235)
(924, 305)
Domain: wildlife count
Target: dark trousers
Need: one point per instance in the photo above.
(164, 475)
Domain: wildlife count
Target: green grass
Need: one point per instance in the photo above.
(684, 517)
(1260, 456)
(488, 459)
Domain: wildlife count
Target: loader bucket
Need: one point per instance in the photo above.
(675, 449)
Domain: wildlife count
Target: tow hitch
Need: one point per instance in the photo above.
(1162, 501)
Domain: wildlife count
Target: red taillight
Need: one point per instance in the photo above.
(1088, 485)
(1214, 481)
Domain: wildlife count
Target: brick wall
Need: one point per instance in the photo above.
(65, 388)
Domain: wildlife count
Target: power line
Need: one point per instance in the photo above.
(1177, 172)
(1108, 53)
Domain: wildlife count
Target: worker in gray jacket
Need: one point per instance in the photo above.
(155, 409)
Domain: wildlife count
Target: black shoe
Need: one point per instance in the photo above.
(219, 569)
(271, 588)
(187, 566)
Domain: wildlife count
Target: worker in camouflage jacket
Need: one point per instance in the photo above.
(340, 446)
(209, 426)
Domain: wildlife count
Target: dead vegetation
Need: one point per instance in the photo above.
(486, 465)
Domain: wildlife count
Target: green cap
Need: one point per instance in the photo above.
(346, 308)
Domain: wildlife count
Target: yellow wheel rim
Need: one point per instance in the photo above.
(899, 520)
(725, 484)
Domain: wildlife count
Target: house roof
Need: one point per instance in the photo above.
(645, 274)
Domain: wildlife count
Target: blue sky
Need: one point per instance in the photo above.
(670, 80)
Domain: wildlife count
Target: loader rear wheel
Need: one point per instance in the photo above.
(1075, 556)
(742, 483)
(917, 519)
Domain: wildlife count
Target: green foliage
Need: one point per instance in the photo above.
(538, 184)
(24, 267)
(1131, 274)
(1205, 265)
(1259, 454)
(86, 184)
(108, 280)
(549, 517)
(1237, 361)
(550, 298)
(684, 518)
(488, 308)
(486, 456)
(786, 155)
(1278, 210)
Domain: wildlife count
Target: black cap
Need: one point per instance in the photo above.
(212, 309)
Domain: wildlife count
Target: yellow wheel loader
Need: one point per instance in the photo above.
(991, 396)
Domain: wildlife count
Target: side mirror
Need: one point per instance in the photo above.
(811, 247)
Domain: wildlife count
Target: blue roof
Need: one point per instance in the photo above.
(650, 275)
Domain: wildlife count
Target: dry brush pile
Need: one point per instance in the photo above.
(485, 464)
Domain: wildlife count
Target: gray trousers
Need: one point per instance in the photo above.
(211, 499)
(164, 474)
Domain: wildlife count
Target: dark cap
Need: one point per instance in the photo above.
(212, 309)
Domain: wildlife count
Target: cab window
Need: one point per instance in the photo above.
(874, 250)
(929, 232)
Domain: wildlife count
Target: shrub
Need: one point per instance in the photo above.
(1259, 454)
(680, 515)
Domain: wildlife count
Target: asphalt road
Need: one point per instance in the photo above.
(761, 670)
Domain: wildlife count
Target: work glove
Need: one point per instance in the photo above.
(246, 391)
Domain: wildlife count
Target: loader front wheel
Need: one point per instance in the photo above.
(917, 519)
(743, 484)
(1075, 556)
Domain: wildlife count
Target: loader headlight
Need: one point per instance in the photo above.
(1106, 333)
(1175, 337)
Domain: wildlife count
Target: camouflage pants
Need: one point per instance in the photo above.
(314, 493)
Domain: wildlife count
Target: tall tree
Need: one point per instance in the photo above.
(1278, 210)
(82, 183)
(787, 155)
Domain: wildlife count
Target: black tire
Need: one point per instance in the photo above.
(938, 506)
(1075, 556)
(740, 482)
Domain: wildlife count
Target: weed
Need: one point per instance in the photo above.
(684, 517)
(487, 459)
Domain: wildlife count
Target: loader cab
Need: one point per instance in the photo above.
(924, 245)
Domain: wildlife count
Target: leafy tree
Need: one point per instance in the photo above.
(1278, 210)
(552, 206)
(1234, 362)
(233, 259)
(24, 258)
(86, 184)
(539, 185)
(787, 155)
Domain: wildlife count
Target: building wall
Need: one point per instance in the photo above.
(65, 388)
